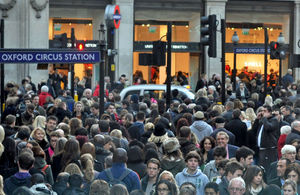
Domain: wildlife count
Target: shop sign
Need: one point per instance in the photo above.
(16, 56)
(250, 50)
(112, 16)
(144, 46)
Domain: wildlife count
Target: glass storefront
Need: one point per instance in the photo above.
(180, 60)
(252, 36)
(83, 29)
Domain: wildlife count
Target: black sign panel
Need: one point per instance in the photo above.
(146, 46)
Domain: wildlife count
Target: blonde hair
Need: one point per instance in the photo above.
(73, 168)
(269, 100)
(38, 129)
(116, 133)
(79, 102)
(202, 92)
(219, 108)
(39, 122)
(250, 114)
(87, 166)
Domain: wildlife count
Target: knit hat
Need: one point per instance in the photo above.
(219, 120)
(159, 129)
(199, 115)
(165, 122)
(170, 145)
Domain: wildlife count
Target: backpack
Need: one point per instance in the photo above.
(112, 181)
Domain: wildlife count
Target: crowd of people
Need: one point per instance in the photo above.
(52, 144)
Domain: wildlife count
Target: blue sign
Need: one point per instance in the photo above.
(15, 56)
(250, 50)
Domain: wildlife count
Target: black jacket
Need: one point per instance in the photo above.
(271, 132)
(239, 129)
(13, 182)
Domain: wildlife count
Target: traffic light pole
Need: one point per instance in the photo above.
(223, 60)
(2, 68)
(101, 70)
(72, 65)
(266, 62)
(169, 58)
(280, 69)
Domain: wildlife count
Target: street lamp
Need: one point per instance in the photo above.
(281, 42)
(235, 40)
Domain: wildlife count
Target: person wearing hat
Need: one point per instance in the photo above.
(220, 123)
(172, 159)
(158, 136)
(199, 127)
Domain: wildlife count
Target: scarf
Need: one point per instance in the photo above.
(255, 191)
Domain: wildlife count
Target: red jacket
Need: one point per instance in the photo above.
(280, 144)
(43, 96)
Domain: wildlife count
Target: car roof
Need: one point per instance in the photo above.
(154, 87)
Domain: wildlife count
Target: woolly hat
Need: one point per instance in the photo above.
(165, 122)
(219, 120)
(170, 145)
(199, 115)
(159, 129)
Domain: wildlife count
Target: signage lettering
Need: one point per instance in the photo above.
(49, 56)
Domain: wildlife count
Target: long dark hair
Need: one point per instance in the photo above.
(212, 141)
(71, 152)
(171, 186)
(250, 173)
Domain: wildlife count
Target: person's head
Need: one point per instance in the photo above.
(220, 122)
(233, 169)
(51, 123)
(99, 187)
(192, 161)
(289, 187)
(236, 113)
(166, 175)
(140, 116)
(164, 187)
(242, 85)
(25, 161)
(95, 108)
(286, 110)
(253, 176)
(219, 154)
(237, 186)
(118, 189)
(289, 152)
(281, 166)
(222, 139)
(211, 188)
(104, 126)
(207, 143)
(267, 111)
(292, 172)
(78, 107)
(38, 134)
(153, 168)
(245, 156)
(187, 188)
(296, 125)
(120, 156)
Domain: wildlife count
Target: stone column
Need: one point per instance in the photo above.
(124, 40)
(217, 7)
(26, 28)
(296, 35)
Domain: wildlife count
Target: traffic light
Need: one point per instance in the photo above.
(208, 34)
(60, 41)
(159, 53)
(80, 45)
(274, 50)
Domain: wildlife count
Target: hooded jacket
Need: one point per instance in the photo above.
(201, 129)
(15, 181)
(174, 166)
(199, 179)
(210, 170)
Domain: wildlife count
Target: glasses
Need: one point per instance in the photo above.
(163, 190)
(236, 189)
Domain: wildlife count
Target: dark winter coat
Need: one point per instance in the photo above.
(239, 129)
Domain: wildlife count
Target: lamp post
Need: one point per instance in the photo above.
(235, 40)
(281, 42)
